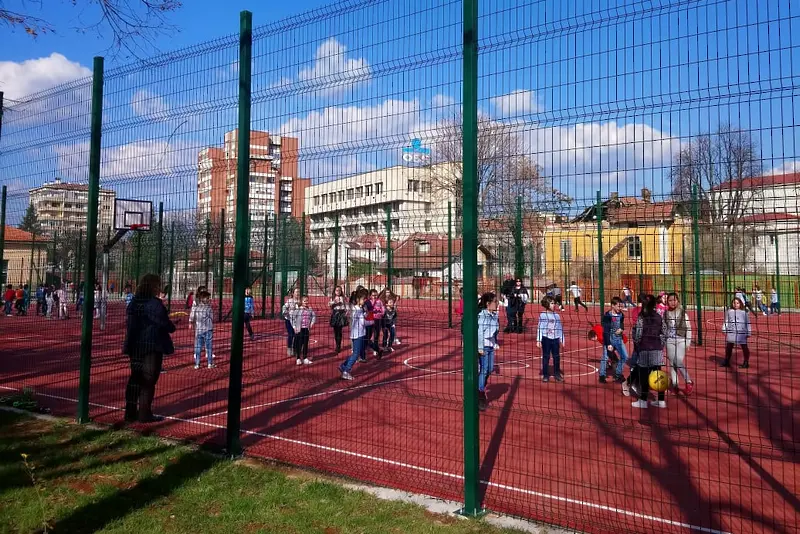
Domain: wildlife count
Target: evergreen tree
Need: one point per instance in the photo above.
(30, 223)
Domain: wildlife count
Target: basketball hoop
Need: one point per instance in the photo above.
(136, 227)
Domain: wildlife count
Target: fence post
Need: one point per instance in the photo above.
(1, 131)
(221, 278)
(264, 267)
(697, 288)
(601, 272)
(274, 263)
(137, 271)
(389, 252)
(450, 264)
(122, 265)
(91, 240)
(302, 271)
(78, 259)
(30, 267)
(519, 253)
(469, 251)
(207, 251)
(160, 235)
(3, 233)
(336, 254)
(171, 264)
(777, 268)
(241, 254)
(284, 260)
(683, 267)
(186, 271)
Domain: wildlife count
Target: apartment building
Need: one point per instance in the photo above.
(63, 207)
(361, 202)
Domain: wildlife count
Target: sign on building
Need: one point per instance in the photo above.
(416, 153)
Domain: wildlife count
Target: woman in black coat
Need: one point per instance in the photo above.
(147, 340)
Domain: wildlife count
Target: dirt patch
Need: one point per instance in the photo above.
(30, 428)
(81, 486)
(112, 480)
(332, 530)
(440, 519)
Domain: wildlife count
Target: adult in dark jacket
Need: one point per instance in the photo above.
(517, 300)
(147, 340)
(507, 289)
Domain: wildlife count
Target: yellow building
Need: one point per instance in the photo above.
(640, 237)
(20, 247)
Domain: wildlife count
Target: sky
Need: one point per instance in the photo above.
(601, 94)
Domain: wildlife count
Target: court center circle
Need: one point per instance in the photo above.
(515, 363)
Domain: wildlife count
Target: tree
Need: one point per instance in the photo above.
(30, 222)
(131, 24)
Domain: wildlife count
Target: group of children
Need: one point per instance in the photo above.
(758, 299)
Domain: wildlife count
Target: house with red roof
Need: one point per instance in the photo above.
(24, 257)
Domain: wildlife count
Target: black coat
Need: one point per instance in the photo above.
(148, 328)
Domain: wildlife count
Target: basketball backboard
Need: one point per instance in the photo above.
(136, 213)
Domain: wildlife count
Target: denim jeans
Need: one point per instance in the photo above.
(551, 347)
(388, 336)
(8, 307)
(289, 334)
(485, 366)
(358, 347)
(622, 352)
(203, 339)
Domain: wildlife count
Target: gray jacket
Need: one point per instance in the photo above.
(202, 317)
(296, 318)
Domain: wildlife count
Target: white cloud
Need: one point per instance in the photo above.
(518, 102)
(333, 70)
(148, 105)
(787, 167)
(18, 80)
(442, 101)
(130, 161)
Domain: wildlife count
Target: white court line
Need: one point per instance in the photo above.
(427, 470)
(331, 392)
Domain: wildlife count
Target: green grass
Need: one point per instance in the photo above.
(90, 480)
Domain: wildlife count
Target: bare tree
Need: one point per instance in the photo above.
(132, 25)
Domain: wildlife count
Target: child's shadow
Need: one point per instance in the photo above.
(495, 392)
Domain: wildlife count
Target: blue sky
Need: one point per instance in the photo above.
(602, 92)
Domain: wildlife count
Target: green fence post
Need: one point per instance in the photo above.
(302, 272)
(264, 267)
(284, 261)
(160, 236)
(171, 264)
(30, 267)
(241, 254)
(91, 240)
(1, 131)
(697, 288)
(186, 271)
(122, 266)
(777, 267)
(519, 252)
(274, 264)
(389, 251)
(601, 272)
(138, 269)
(221, 278)
(207, 251)
(533, 264)
(78, 259)
(469, 251)
(336, 253)
(3, 270)
(450, 264)
(683, 267)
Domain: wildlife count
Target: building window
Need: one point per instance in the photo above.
(566, 250)
(634, 248)
(359, 192)
(428, 226)
(378, 188)
(368, 190)
(424, 247)
(316, 200)
(349, 194)
(413, 186)
(341, 196)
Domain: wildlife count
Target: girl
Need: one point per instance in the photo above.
(737, 330)
(338, 308)
(388, 325)
(677, 333)
(190, 300)
(201, 317)
(758, 298)
(358, 331)
(648, 345)
(249, 310)
(377, 309)
(661, 306)
(488, 328)
(48, 302)
(774, 303)
(303, 318)
(460, 309)
(289, 307)
(550, 338)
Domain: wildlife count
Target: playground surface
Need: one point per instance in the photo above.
(574, 454)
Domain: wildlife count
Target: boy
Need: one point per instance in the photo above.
(388, 325)
(303, 318)
(128, 295)
(576, 296)
(613, 328)
(774, 305)
(201, 318)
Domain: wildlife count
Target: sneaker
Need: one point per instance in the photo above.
(196, 366)
(289, 352)
(639, 404)
(496, 369)
(658, 403)
(545, 379)
(559, 378)
(363, 359)
(299, 361)
(396, 341)
(619, 379)
(346, 376)
(375, 354)
(626, 390)
(211, 366)
(602, 379)
(306, 361)
(745, 365)
(689, 388)
(483, 402)
(725, 364)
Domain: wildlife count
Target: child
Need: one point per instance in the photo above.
(249, 310)
(201, 317)
(129, 296)
(8, 299)
(661, 305)
(628, 294)
(49, 301)
(677, 333)
(632, 381)
(302, 318)
(376, 307)
(613, 328)
(62, 296)
(289, 307)
(40, 301)
(649, 346)
(488, 329)
(190, 300)
(358, 331)
(388, 325)
(737, 329)
(576, 296)
(758, 297)
(338, 321)
(774, 305)
(550, 338)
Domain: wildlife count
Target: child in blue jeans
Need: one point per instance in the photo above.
(358, 331)
(201, 318)
(613, 329)
(488, 328)
(550, 338)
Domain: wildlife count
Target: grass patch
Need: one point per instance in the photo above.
(75, 479)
